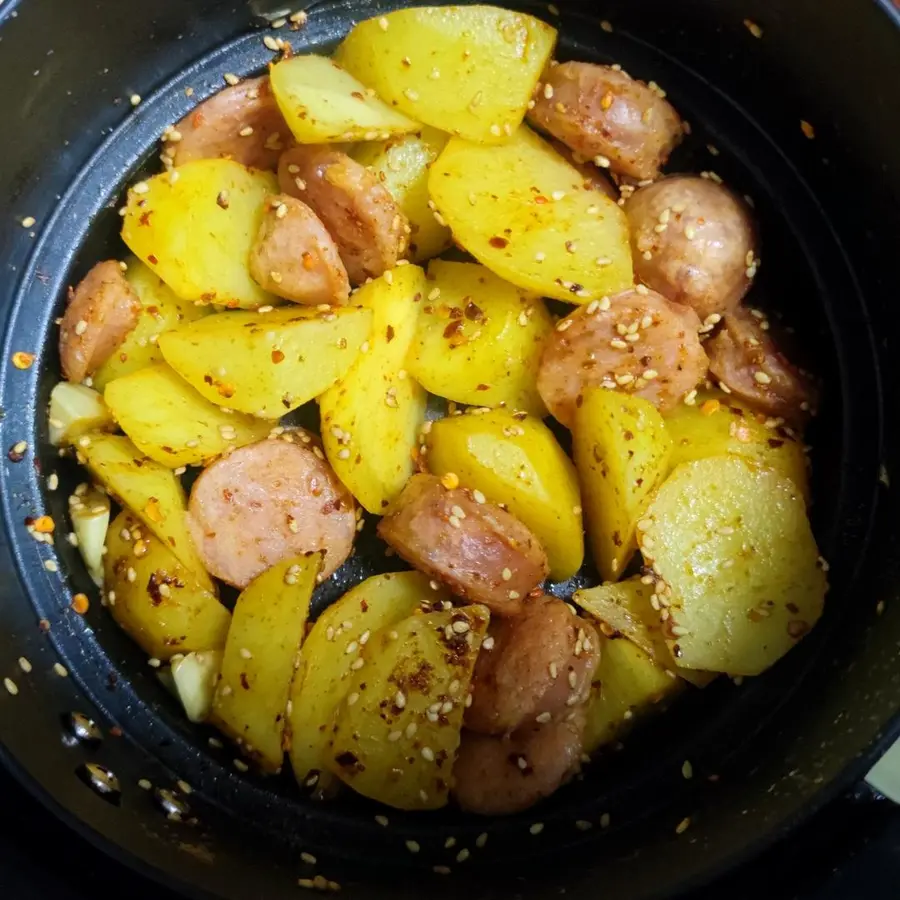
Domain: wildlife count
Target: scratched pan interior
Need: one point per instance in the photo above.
(771, 741)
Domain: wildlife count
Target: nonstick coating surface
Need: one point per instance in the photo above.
(723, 731)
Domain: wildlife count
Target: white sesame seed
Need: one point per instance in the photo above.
(558, 195)
(537, 828)
(604, 820)
(687, 770)
(28, 221)
(141, 187)
(60, 670)
(400, 700)
(383, 23)
(270, 43)
(246, 654)
(11, 686)
(762, 377)
(413, 846)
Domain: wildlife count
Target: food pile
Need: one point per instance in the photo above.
(290, 254)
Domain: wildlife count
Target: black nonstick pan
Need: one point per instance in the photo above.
(84, 721)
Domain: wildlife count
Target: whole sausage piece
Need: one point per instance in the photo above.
(368, 226)
(539, 667)
(295, 257)
(694, 242)
(746, 361)
(480, 551)
(497, 776)
(102, 310)
(635, 341)
(267, 502)
(601, 112)
(241, 122)
(593, 179)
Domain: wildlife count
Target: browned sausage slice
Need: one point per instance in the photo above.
(746, 361)
(365, 221)
(497, 776)
(593, 178)
(600, 111)
(295, 257)
(693, 241)
(636, 341)
(267, 502)
(539, 667)
(478, 550)
(241, 122)
(102, 310)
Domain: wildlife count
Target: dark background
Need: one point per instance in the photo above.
(850, 851)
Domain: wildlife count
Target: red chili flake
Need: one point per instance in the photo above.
(454, 328)
(389, 333)
(473, 312)
(145, 217)
(483, 387)
(197, 119)
(80, 604)
(152, 260)
(541, 199)
(22, 360)
(277, 356)
(498, 242)
(115, 731)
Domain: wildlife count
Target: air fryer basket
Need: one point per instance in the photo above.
(90, 725)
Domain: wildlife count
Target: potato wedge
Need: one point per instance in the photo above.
(194, 680)
(76, 409)
(372, 416)
(628, 685)
(267, 364)
(621, 451)
(267, 628)
(386, 745)
(171, 423)
(515, 460)
(160, 604)
(326, 667)
(720, 423)
(741, 571)
(480, 340)
(401, 164)
(196, 232)
(90, 513)
(322, 103)
(147, 489)
(468, 70)
(525, 213)
(626, 608)
(161, 310)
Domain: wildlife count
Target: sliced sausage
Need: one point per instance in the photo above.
(694, 242)
(241, 122)
(497, 776)
(365, 221)
(746, 361)
(600, 111)
(102, 310)
(539, 667)
(480, 551)
(636, 341)
(295, 257)
(594, 180)
(267, 502)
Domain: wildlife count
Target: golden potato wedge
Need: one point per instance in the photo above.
(161, 310)
(159, 603)
(398, 726)
(480, 340)
(194, 680)
(525, 213)
(621, 452)
(327, 665)
(74, 410)
(260, 657)
(720, 423)
(628, 685)
(90, 513)
(514, 459)
(196, 232)
(627, 608)
(739, 564)
(322, 103)
(171, 423)
(372, 416)
(267, 364)
(401, 164)
(147, 489)
(468, 70)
